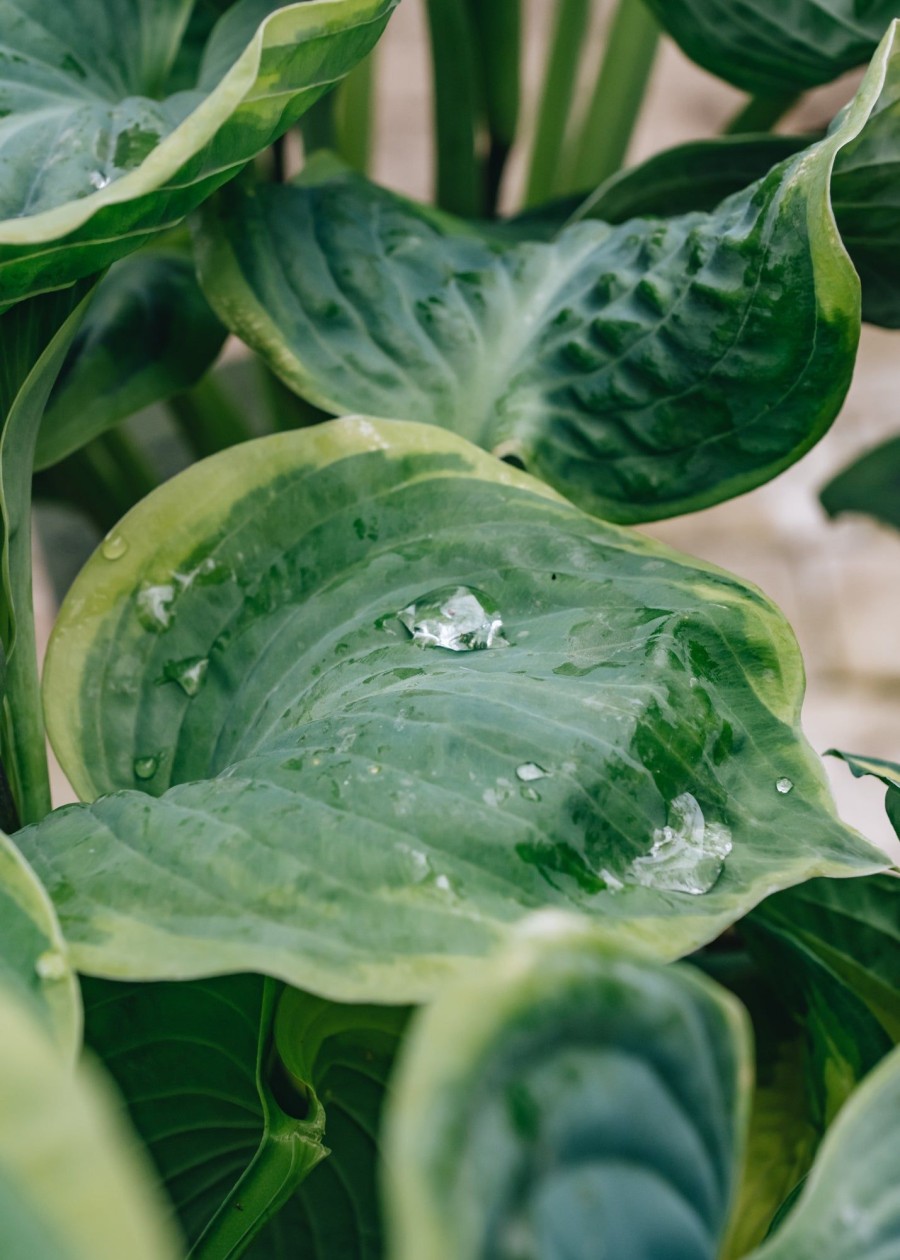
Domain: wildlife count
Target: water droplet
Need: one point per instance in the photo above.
(443, 883)
(114, 547)
(419, 865)
(784, 786)
(145, 767)
(98, 180)
(51, 965)
(154, 606)
(190, 673)
(687, 854)
(530, 793)
(529, 771)
(613, 884)
(454, 617)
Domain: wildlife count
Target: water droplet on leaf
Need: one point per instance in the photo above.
(154, 606)
(529, 771)
(783, 786)
(145, 767)
(98, 180)
(114, 547)
(454, 617)
(51, 965)
(190, 673)
(687, 855)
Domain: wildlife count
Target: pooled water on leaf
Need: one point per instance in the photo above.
(529, 771)
(783, 786)
(454, 617)
(190, 673)
(687, 855)
(145, 767)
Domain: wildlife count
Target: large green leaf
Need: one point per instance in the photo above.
(198, 1078)
(850, 1205)
(360, 813)
(97, 153)
(643, 370)
(33, 958)
(71, 1184)
(568, 1101)
(769, 47)
(870, 485)
(147, 334)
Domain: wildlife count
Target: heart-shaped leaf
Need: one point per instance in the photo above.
(870, 485)
(568, 1100)
(769, 48)
(33, 958)
(199, 1080)
(148, 333)
(643, 370)
(849, 1208)
(85, 86)
(71, 1184)
(359, 810)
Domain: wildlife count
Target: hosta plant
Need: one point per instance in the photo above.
(450, 875)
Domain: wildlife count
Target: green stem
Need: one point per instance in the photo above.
(497, 25)
(619, 92)
(557, 94)
(760, 113)
(456, 108)
(355, 115)
(208, 420)
(317, 125)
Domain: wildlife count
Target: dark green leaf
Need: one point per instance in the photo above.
(72, 1185)
(643, 370)
(849, 1208)
(887, 771)
(96, 154)
(362, 814)
(568, 1101)
(769, 48)
(185, 1057)
(148, 334)
(870, 486)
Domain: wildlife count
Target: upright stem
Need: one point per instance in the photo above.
(557, 94)
(497, 27)
(456, 108)
(614, 108)
(355, 115)
(760, 113)
(317, 126)
(207, 418)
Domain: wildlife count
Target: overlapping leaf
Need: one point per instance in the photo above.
(768, 47)
(567, 1100)
(643, 370)
(125, 148)
(194, 1071)
(359, 814)
(71, 1184)
(870, 485)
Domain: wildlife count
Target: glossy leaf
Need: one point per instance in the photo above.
(887, 771)
(148, 334)
(361, 814)
(34, 963)
(86, 86)
(643, 370)
(767, 47)
(850, 1205)
(71, 1184)
(568, 1100)
(185, 1057)
(869, 486)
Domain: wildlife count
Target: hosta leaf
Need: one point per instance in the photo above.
(71, 1184)
(359, 813)
(644, 370)
(567, 1100)
(870, 485)
(852, 928)
(33, 958)
(148, 333)
(97, 153)
(768, 48)
(887, 771)
(185, 1057)
(850, 1205)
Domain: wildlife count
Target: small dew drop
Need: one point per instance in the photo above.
(783, 786)
(687, 855)
(114, 547)
(98, 180)
(613, 884)
(530, 793)
(51, 965)
(529, 771)
(443, 884)
(145, 767)
(454, 617)
(190, 673)
(154, 606)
